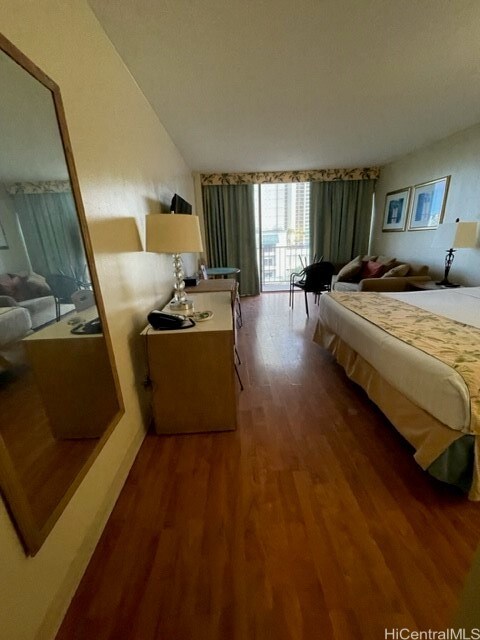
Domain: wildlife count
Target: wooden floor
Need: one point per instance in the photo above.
(312, 521)
(37, 457)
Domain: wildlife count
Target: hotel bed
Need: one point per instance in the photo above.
(417, 355)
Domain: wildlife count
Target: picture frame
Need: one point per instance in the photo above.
(428, 204)
(3, 237)
(396, 210)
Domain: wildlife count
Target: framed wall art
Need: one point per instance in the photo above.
(396, 210)
(428, 204)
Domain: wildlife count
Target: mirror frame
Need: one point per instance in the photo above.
(31, 534)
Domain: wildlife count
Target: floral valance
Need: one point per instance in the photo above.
(310, 175)
(47, 186)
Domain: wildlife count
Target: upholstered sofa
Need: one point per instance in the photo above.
(15, 324)
(378, 273)
(31, 292)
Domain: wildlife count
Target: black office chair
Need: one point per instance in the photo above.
(315, 278)
(62, 288)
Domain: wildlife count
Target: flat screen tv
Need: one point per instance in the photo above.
(179, 205)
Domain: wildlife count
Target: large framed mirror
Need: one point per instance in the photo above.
(59, 392)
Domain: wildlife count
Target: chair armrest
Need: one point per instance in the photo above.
(297, 276)
(8, 301)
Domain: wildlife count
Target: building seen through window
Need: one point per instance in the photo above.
(282, 215)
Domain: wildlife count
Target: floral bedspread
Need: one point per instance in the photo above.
(451, 342)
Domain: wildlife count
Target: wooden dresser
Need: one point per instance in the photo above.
(192, 371)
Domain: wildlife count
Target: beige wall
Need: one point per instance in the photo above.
(127, 165)
(458, 156)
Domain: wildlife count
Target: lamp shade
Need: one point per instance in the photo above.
(456, 235)
(173, 233)
(466, 235)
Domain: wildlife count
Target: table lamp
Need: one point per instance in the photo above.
(175, 233)
(456, 235)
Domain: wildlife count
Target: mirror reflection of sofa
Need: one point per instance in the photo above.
(378, 273)
(15, 324)
(29, 292)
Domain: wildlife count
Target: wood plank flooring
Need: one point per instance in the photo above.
(37, 457)
(311, 521)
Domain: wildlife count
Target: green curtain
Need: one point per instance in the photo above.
(52, 234)
(340, 217)
(230, 232)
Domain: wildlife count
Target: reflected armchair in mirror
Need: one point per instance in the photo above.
(63, 288)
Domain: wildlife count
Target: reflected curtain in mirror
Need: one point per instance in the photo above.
(49, 223)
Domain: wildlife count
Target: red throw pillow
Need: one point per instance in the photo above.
(372, 269)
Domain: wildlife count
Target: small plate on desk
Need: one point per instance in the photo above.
(201, 316)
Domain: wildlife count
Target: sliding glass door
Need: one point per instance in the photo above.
(282, 230)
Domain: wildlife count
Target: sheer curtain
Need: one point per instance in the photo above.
(340, 217)
(52, 235)
(230, 232)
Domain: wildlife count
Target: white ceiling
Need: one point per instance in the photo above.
(252, 85)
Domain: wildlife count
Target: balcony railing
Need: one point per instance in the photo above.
(279, 261)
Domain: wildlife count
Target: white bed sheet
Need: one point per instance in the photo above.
(426, 381)
(462, 304)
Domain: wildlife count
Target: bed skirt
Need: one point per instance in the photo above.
(449, 455)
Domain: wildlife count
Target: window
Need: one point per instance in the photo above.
(283, 231)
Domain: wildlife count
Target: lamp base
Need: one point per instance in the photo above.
(186, 305)
(447, 283)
